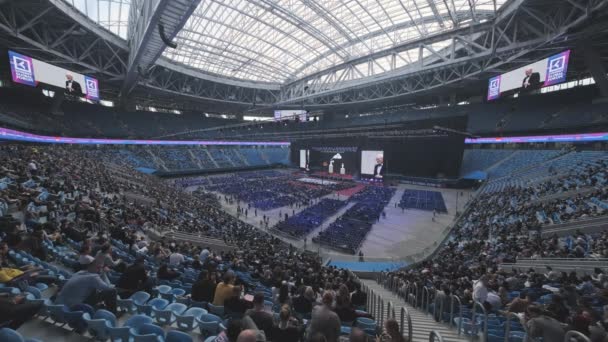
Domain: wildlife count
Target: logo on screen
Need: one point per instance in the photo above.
(557, 67)
(494, 88)
(22, 69)
(22, 65)
(91, 85)
(92, 88)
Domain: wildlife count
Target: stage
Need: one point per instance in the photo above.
(332, 176)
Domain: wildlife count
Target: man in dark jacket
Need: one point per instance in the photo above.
(204, 288)
(134, 278)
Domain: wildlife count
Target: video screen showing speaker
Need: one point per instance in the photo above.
(546, 72)
(30, 71)
(304, 157)
(334, 160)
(372, 163)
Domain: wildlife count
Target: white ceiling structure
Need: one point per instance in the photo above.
(279, 41)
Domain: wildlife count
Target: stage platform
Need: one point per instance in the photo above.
(334, 176)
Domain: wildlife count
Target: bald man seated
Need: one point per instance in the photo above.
(247, 335)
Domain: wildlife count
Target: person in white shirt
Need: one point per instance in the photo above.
(480, 290)
(176, 259)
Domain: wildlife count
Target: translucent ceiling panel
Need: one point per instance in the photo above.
(282, 40)
(110, 14)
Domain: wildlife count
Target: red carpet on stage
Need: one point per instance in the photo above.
(351, 191)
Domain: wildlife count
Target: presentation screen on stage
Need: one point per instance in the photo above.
(369, 160)
(30, 71)
(546, 72)
(303, 158)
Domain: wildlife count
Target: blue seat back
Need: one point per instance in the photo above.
(178, 336)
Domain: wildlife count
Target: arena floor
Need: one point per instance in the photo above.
(400, 235)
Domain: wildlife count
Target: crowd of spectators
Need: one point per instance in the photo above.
(63, 197)
(501, 227)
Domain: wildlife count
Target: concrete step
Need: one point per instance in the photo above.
(422, 323)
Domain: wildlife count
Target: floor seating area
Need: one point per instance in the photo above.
(266, 190)
(348, 232)
(310, 218)
(423, 200)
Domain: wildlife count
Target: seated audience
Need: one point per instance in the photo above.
(262, 318)
(204, 288)
(87, 287)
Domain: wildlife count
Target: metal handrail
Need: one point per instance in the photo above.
(485, 320)
(410, 331)
(573, 333)
(373, 303)
(381, 312)
(452, 297)
(376, 300)
(435, 334)
(428, 300)
(369, 299)
(508, 315)
(426, 294)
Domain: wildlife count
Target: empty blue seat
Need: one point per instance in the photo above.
(130, 304)
(169, 313)
(187, 320)
(209, 324)
(98, 326)
(74, 316)
(10, 335)
(122, 334)
(154, 303)
(148, 333)
(178, 336)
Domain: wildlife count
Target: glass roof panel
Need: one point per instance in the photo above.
(110, 14)
(283, 40)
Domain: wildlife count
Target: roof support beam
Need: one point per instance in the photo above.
(145, 43)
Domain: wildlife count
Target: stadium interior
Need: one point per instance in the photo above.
(304, 170)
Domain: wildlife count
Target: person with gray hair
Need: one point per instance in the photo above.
(247, 335)
(379, 168)
(324, 320)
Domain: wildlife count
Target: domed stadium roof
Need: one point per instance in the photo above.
(283, 40)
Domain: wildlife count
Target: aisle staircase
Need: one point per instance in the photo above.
(422, 324)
